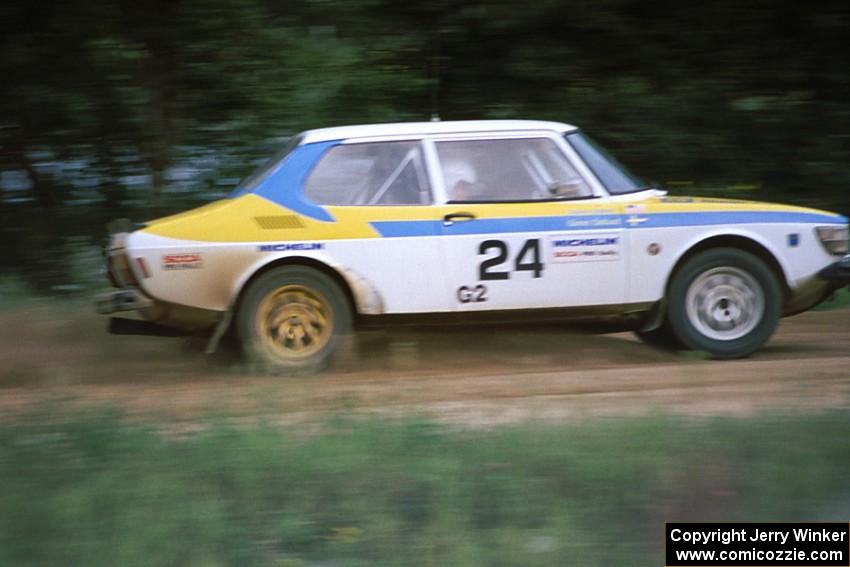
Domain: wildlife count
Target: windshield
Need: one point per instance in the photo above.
(614, 176)
(261, 173)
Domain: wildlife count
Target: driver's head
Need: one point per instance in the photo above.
(459, 177)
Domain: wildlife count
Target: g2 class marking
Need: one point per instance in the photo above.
(472, 294)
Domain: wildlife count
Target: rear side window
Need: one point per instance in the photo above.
(526, 169)
(375, 173)
(264, 171)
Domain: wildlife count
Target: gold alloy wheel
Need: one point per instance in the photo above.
(294, 322)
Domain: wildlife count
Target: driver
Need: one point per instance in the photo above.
(460, 178)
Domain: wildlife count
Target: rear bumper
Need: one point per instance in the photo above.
(121, 300)
(837, 273)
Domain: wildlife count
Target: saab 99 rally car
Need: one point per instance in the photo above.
(357, 224)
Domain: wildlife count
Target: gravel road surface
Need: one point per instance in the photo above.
(467, 377)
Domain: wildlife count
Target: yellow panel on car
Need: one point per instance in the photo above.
(236, 220)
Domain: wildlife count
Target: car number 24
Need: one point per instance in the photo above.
(496, 266)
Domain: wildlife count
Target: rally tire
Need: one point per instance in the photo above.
(725, 302)
(291, 319)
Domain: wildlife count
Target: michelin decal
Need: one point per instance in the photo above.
(590, 248)
(291, 246)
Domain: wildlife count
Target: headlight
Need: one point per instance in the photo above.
(836, 239)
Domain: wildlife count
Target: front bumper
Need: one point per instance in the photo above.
(837, 273)
(121, 300)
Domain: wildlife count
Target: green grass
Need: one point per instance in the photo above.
(840, 300)
(95, 490)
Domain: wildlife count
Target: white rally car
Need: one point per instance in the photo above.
(366, 224)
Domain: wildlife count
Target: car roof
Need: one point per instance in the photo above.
(430, 128)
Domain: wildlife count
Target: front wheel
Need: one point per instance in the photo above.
(724, 301)
(291, 318)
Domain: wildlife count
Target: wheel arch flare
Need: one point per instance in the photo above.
(748, 243)
(363, 297)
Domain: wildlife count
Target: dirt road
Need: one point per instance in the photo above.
(481, 377)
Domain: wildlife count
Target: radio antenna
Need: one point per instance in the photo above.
(435, 78)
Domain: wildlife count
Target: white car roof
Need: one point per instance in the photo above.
(428, 128)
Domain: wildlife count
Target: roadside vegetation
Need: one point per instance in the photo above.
(94, 488)
(154, 107)
(839, 300)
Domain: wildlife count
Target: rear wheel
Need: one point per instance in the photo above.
(724, 301)
(291, 319)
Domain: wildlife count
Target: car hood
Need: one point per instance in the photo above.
(782, 212)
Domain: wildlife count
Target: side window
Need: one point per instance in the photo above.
(374, 173)
(527, 169)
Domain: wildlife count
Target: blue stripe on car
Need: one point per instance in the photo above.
(285, 186)
(661, 220)
(480, 226)
(404, 228)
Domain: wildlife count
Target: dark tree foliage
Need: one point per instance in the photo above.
(135, 108)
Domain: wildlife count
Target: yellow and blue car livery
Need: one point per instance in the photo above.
(615, 253)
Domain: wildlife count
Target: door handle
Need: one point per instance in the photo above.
(452, 218)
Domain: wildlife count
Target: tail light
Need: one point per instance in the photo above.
(143, 267)
(120, 272)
